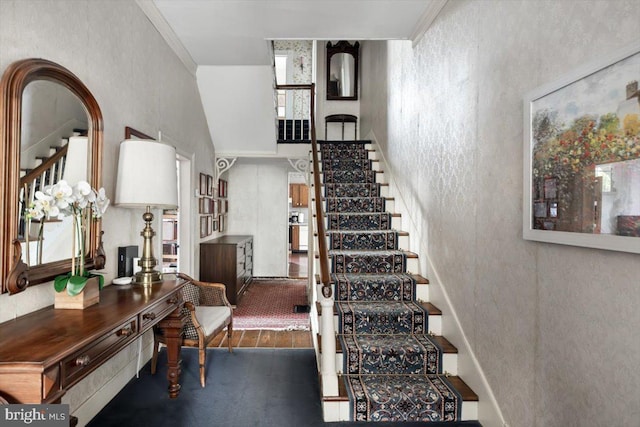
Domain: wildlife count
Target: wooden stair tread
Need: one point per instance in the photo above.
(465, 391)
(431, 309)
(447, 347)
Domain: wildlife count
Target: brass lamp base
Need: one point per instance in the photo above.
(147, 276)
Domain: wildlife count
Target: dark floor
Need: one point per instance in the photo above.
(246, 388)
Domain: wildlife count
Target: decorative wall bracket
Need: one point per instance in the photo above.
(301, 165)
(223, 164)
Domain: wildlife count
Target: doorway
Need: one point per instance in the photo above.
(298, 226)
(176, 224)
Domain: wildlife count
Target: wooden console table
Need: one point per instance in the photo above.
(44, 353)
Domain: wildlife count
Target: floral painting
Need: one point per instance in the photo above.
(585, 151)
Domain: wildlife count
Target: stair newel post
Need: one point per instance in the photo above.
(328, 363)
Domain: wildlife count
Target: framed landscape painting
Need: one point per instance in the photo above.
(582, 156)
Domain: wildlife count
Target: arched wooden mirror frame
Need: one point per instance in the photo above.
(15, 275)
(343, 46)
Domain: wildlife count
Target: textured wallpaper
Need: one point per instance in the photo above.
(554, 328)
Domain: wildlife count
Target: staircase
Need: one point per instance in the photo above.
(392, 362)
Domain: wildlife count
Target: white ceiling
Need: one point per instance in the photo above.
(234, 32)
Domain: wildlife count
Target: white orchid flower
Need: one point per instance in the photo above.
(45, 203)
(62, 194)
(34, 211)
(100, 204)
(82, 194)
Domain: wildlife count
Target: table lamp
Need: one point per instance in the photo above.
(147, 178)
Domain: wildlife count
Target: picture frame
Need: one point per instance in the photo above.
(222, 188)
(204, 205)
(574, 126)
(203, 227)
(221, 223)
(209, 186)
(203, 184)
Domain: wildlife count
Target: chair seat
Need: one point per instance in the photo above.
(212, 318)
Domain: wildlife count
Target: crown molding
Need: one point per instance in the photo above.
(427, 18)
(157, 19)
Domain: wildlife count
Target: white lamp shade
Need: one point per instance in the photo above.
(147, 175)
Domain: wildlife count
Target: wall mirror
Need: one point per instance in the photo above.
(51, 130)
(582, 156)
(342, 71)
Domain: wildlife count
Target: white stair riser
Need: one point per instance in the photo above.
(339, 411)
(449, 363)
(422, 292)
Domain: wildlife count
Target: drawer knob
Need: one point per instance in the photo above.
(83, 360)
(124, 332)
(149, 316)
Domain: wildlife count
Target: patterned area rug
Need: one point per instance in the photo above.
(269, 304)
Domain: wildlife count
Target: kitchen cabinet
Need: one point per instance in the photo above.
(228, 260)
(299, 194)
(299, 238)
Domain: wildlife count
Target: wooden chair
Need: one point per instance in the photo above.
(341, 118)
(209, 313)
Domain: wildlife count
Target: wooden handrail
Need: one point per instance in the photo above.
(44, 166)
(322, 241)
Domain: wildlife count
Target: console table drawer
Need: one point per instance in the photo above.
(154, 314)
(87, 359)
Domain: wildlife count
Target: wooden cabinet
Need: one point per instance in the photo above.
(299, 194)
(299, 238)
(228, 260)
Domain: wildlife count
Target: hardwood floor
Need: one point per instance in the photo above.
(265, 339)
(298, 268)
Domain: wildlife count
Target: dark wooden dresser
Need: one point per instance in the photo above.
(228, 260)
(44, 353)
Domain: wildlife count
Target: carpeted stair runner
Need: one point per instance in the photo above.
(392, 367)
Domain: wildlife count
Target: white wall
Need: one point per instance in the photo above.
(239, 105)
(554, 328)
(138, 81)
(258, 206)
